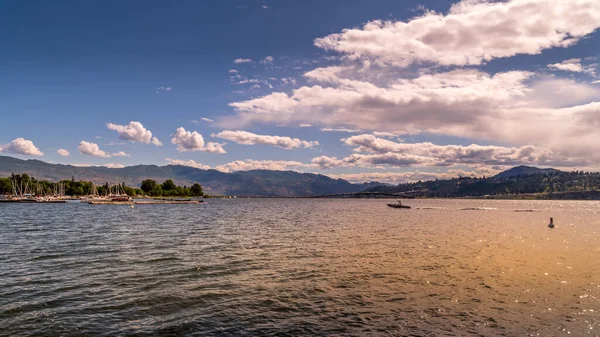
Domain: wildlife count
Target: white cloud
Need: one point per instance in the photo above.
(121, 154)
(248, 138)
(190, 163)
(474, 31)
(408, 105)
(514, 107)
(208, 120)
(406, 78)
(384, 134)
(256, 86)
(406, 177)
(163, 89)
(134, 132)
(91, 149)
(596, 82)
(573, 65)
(268, 60)
(193, 141)
(113, 165)
(233, 71)
(341, 130)
(325, 162)
(371, 151)
(21, 146)
(305, 125)
(246, 165)
(246, 81)
(288, 80)
(240, 61)
(63, 152)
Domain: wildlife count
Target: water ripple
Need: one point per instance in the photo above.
(300, 268)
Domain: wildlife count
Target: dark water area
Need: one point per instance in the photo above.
(294, 267)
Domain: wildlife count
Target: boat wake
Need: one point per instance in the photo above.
(478, 209)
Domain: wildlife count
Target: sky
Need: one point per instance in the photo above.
(378, 90)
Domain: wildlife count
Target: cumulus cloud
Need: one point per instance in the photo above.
(246, 81)
(384, 134)
(407, 177)
(408, 105)
(163, 89)
(471, 33)
(573, 65)
(91, 149)
(240, 61)
(268, 60)
(193, 141)
(233, 71)
(134, 132)
(63, 152)
(121, 154)
(113, 165)
(21, 146)
(417, 76)
(246, 165)
(373, 152)
(190, 163)
(341, 130)
(248, 138)
(208, 120)
(462, 102)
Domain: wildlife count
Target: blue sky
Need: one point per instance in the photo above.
(422, 88)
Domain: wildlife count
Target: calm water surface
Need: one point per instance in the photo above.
(301, 268)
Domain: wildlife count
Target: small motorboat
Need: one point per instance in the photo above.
(398, 205)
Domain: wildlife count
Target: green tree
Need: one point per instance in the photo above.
(157, 191)
(168, 185)
(5, 186)
(148, 186)
(129, 191)
(196, 190)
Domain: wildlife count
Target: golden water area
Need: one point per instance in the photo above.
(301, 267)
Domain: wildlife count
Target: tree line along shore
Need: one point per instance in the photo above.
(20, 184)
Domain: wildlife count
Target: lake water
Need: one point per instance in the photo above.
(301, 267)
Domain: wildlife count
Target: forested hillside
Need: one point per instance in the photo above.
(549, 184)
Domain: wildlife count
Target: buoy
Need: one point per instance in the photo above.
(551, 224)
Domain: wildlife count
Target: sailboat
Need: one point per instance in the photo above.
(119, 194)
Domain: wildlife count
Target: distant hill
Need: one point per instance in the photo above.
(524, 171)
(522, 180)
(255, 183)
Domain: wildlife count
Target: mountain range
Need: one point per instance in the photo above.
(242, 183)
(517, 182)
(524, 171)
